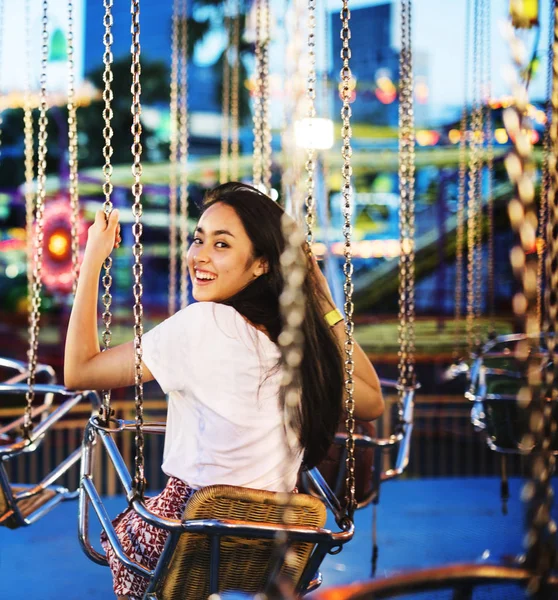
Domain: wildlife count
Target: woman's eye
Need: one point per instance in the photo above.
(221, 245)
(197, 240)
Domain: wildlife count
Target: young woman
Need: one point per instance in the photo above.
(218, 361)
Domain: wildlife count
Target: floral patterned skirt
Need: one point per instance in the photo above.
(144, 542)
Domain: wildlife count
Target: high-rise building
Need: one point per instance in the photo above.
(374, 64)
(155, 42)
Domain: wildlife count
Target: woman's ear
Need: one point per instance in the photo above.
(261, 267)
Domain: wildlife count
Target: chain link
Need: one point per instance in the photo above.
(346, 173)
(311, 152)
(225, 113)
(73, 150)
(262, 128)
(28, 145)
(235, 91)
(173, 151)
(489, 141)
(183, 140)
(35, 298)
(137, 228)
(460, 224)
(266, 123)
(106, 336)
(474, 235)
(460, 231)
(407, 378)
(258, 99)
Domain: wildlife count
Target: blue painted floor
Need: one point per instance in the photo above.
(421, 523)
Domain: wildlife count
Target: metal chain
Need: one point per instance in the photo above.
(346, 173)
(489, 141)
(224, 157)
(73, 150)
(406, 330)
(173, 151)
(542, 240)
(258, 100)
(183, 140)
(235, 92)
(460, 217)
(311, 153)
(292, 304)
(137, 228)
(106, 411)
(266, 123)
(35, 299)
(478, 262)
(475, 167)
(28, 145)
(537, 492)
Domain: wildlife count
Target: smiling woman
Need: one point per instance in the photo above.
(218, 360)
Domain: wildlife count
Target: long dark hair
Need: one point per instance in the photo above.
(321, 368)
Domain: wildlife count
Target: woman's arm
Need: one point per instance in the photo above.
(85, 366)
(367, 394)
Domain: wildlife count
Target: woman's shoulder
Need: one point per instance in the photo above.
(198, 310)
(204, 315)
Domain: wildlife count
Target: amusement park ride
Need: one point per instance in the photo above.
(511, 381)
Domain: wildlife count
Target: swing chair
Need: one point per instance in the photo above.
(535, 572)
(227, 538)
(23, 504)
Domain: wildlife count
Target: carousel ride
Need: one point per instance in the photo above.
(217, 538)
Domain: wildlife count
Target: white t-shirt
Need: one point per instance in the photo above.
(224, 423)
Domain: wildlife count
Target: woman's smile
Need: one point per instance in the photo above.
(203, 277)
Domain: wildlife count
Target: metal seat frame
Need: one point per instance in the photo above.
(478, 391)
(382, 445)
(462, 578)
(15, 494)
(22, 371)
(325, 540)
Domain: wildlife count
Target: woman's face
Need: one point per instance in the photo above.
(220, 258)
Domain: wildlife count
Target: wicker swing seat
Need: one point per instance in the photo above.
(227, 539)
(23, 504)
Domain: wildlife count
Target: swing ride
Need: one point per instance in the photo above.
(23, 504)
(255, 541)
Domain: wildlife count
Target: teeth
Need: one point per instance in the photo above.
(206, 276)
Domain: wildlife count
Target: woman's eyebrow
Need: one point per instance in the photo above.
(216, 232)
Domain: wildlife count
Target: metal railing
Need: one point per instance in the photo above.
(444, 444)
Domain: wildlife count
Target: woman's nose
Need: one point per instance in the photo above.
(200, 256)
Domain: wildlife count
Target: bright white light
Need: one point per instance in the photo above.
(274, 194)
(314, 133)
(12, 271)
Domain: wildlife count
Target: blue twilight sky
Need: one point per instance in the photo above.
(438, 31)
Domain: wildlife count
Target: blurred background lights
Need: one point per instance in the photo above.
(315, 133)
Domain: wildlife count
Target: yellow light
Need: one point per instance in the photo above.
(454, 136)
(385, 84)
(524, 13)
(501, 135)
(427, 137)
(58, 244)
